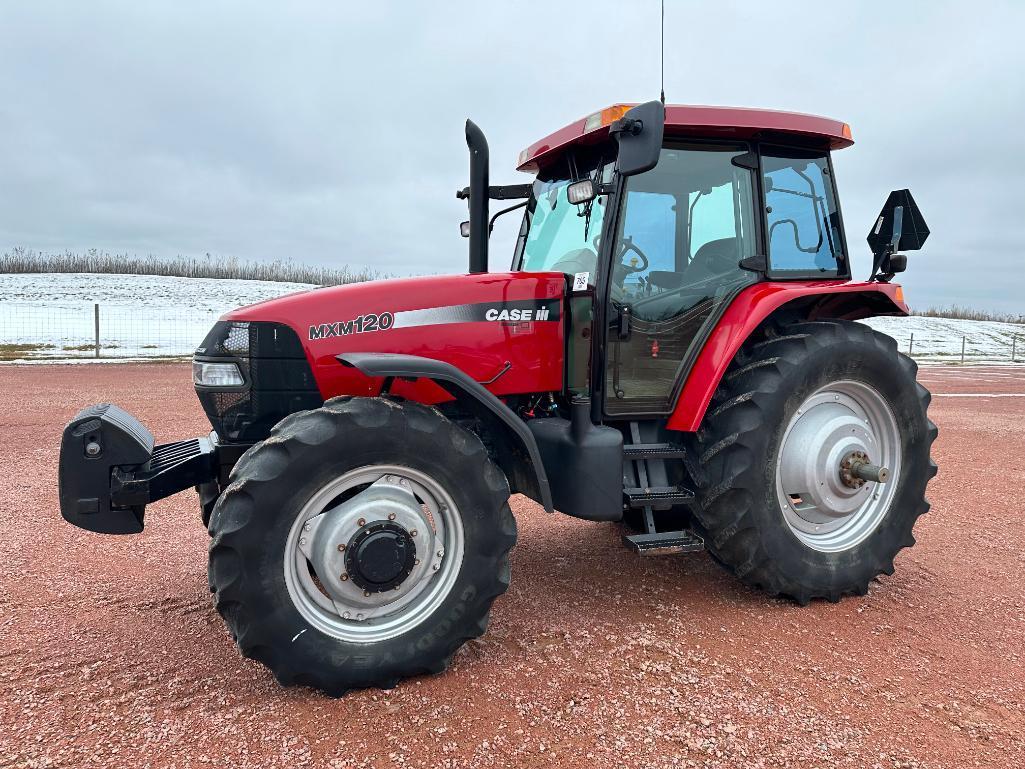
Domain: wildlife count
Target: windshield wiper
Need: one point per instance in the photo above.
(595, 179)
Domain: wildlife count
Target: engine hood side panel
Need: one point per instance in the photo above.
(504, 330)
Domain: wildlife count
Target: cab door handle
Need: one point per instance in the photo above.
(624, 321)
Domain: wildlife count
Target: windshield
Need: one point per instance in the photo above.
(558, 236)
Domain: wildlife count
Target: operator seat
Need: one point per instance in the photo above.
(715, 257)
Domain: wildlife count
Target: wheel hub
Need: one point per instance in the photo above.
(364, 550)
(820, 481)
(826, 429)
(847, 467)
(379, 562)
(380, 556)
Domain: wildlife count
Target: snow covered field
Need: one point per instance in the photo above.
(51, 317)
(939, 339)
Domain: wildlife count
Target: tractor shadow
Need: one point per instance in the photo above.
(564, 561)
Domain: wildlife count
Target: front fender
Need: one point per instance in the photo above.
(811, 300)
(471, 394)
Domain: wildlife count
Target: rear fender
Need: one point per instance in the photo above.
(756, 304)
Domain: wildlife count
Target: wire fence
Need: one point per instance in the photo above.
(982, 347)
(38, 331)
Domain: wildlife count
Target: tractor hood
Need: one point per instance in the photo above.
(504, 330)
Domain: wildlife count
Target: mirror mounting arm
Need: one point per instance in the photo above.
(626, 125)
(502, 192)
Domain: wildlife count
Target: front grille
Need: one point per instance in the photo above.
(278, 378)
(255, 339)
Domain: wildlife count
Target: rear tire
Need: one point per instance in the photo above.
(254, 544)
(742, 507)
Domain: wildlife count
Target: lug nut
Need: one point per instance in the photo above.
(346, 615)
(441, 554)
(361, 522)
(307, 527)
(344, 577)
(412, 533)
(341, 548)
(416, 561)
(391, 516)
(366, 593)
(302, 540)
(436, 566)
(359, 617)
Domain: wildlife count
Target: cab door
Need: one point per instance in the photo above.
(683, 229)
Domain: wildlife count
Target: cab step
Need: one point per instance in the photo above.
(665, 543)
(654, 496)
(635, 451)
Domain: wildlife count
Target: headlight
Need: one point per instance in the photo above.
(216, 374)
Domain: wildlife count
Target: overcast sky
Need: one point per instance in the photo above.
(331, 133)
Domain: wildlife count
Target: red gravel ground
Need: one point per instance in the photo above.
(112, 654)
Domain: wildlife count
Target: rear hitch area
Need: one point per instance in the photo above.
(110, 469)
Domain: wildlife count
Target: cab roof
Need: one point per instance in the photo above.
(688, 120)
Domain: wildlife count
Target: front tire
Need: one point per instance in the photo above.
(361, 543)
(791, 412)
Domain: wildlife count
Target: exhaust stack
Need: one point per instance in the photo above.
(479, 191)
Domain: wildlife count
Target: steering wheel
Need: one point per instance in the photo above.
(628, 246)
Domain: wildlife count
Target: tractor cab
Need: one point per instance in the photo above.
(714, 200)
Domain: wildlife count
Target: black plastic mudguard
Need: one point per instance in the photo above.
(468, 392)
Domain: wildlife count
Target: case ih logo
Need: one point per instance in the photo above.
(501, 314)
(359, 325)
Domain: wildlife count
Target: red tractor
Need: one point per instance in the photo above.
(675, 347)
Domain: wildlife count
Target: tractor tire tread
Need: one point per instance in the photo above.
(237, 514)
(733, 472)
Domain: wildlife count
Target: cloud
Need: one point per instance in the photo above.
(332, 133)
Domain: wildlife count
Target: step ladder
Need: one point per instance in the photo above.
(647, 498)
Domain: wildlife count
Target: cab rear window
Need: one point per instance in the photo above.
(802, 221)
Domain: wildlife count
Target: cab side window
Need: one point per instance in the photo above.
(803, 224)
(649, 223)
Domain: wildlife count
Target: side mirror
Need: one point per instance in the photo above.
(464, 229)
(639, 133)
(899, 227)
(896, 263)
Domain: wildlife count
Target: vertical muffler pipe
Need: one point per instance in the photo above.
(479, 182)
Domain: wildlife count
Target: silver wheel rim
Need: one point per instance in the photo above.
(316, 571)
(819, 506)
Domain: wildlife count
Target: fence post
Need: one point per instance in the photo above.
(962, 349)
(1014, 345)
(96, 324)
(911, 343)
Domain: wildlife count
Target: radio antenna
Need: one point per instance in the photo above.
(662, 53)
